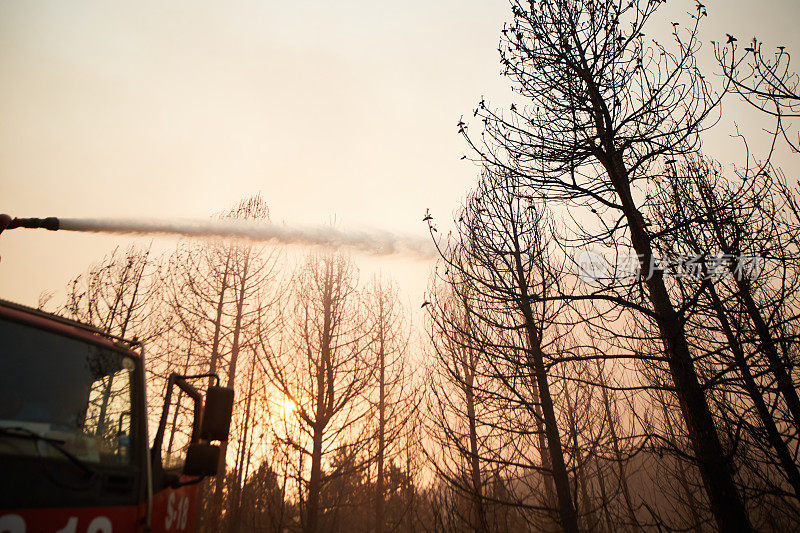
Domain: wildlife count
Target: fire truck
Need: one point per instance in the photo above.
(75, 456)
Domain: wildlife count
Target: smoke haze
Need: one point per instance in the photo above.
(375, 242)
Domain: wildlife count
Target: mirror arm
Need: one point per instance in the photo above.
(184, 385)
(180, 381)
(162, 424)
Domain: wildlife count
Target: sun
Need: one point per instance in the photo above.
(288, 406)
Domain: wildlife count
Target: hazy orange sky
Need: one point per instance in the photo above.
(179, 109)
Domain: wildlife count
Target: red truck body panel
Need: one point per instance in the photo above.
(173, 509)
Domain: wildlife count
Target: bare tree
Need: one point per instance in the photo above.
(454, 409)
(223, 296)
(511, 327)
(603, 109)
(118, 295)
(394, 401)
(743, 248)
(322, 367)
(765, 81)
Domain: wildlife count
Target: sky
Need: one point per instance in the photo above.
(340, 111)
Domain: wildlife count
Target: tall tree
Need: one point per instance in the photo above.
(455, 408)
(393, 401)
(118, 295)
(508, 280)
(224, 295)
(602, 110)
(323, 368)
(743, 248)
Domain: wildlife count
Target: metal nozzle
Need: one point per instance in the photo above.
(6, 222)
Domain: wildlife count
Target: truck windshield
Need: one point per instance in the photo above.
(66, 390)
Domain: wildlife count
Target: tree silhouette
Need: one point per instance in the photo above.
(603, 112)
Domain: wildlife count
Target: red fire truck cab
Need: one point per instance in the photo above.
(74, 448)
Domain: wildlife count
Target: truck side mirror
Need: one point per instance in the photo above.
(217, 414)
(201, 460)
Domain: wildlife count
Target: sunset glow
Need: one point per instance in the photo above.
(288, 406)
(400, 267)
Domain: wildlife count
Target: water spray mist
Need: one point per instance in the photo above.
(374, 242)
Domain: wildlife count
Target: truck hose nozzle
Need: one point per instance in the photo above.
(6, 222)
